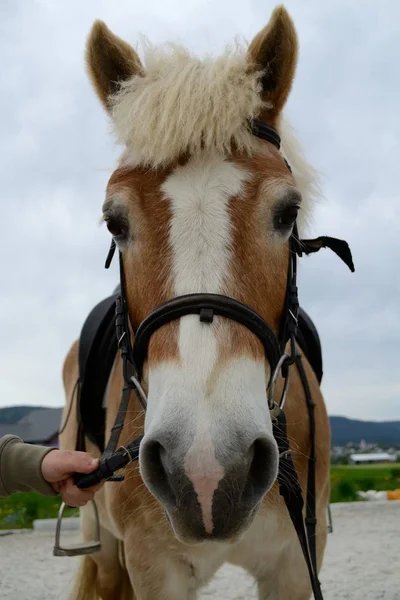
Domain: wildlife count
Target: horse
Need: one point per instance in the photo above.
(198, 204)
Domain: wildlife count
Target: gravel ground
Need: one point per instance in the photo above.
(362, 561)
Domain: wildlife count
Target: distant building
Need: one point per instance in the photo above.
(373, 457)
(37, 427)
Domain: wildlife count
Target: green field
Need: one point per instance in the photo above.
(346, 480)
(20, 510)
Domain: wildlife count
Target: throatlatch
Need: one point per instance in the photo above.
(281, 362)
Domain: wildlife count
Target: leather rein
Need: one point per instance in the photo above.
(207, 306)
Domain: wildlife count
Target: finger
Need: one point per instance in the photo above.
(77, 499)
(57, 486)
(65, 484)
(73, 496)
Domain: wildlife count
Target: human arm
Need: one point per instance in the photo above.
(27, 467)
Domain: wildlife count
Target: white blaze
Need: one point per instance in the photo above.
(200, 238)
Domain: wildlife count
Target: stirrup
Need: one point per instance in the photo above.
(82, 547)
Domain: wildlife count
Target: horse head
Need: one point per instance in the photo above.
(200, 205)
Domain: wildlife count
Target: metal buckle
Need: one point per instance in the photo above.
(120, 340)
(285, 454)
(275, 407)
(128, 454)
(295, 319)
(81, 547)
(274, 410)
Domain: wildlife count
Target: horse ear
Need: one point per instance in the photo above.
(274, 50)
(109, 61)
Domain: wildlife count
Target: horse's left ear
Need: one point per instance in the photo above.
(274, 50)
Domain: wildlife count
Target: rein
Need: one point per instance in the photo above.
(207, 306)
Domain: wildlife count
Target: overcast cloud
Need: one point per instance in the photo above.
(57, 155)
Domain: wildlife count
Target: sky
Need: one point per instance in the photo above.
(57, 153)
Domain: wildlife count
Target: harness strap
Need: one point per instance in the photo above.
(290, 322)
(116, 461)
(290, 490)
(111, 459)
(129, 372)
(118, 423)
(266, 132)
(80, 444)
(124, 348)
(311, 520)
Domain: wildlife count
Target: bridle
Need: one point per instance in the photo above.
(207, 306)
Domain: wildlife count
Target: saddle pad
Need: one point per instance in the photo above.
(308, 340)
(98, 348)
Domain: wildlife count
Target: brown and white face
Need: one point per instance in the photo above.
(198, 204)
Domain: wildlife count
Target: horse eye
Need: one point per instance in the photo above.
(116, 228)
(286, 218)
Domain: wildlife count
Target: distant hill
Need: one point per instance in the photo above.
(10, 415)
(344, 431)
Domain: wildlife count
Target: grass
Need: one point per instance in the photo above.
(347, 480)
(20, 510)
(371, 467)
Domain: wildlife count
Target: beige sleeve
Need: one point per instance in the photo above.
(20, 467)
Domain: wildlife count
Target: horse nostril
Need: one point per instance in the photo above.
(263, 467)
(153, 460)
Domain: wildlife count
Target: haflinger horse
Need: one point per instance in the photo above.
(200, 204)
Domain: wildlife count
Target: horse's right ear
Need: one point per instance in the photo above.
(109, 62)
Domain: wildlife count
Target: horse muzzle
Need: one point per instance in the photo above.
(209, 496)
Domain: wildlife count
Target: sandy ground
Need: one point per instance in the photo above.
(362, 561)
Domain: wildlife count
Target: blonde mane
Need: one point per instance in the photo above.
(183, 104)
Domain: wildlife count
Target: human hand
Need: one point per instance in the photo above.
(58, 466)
